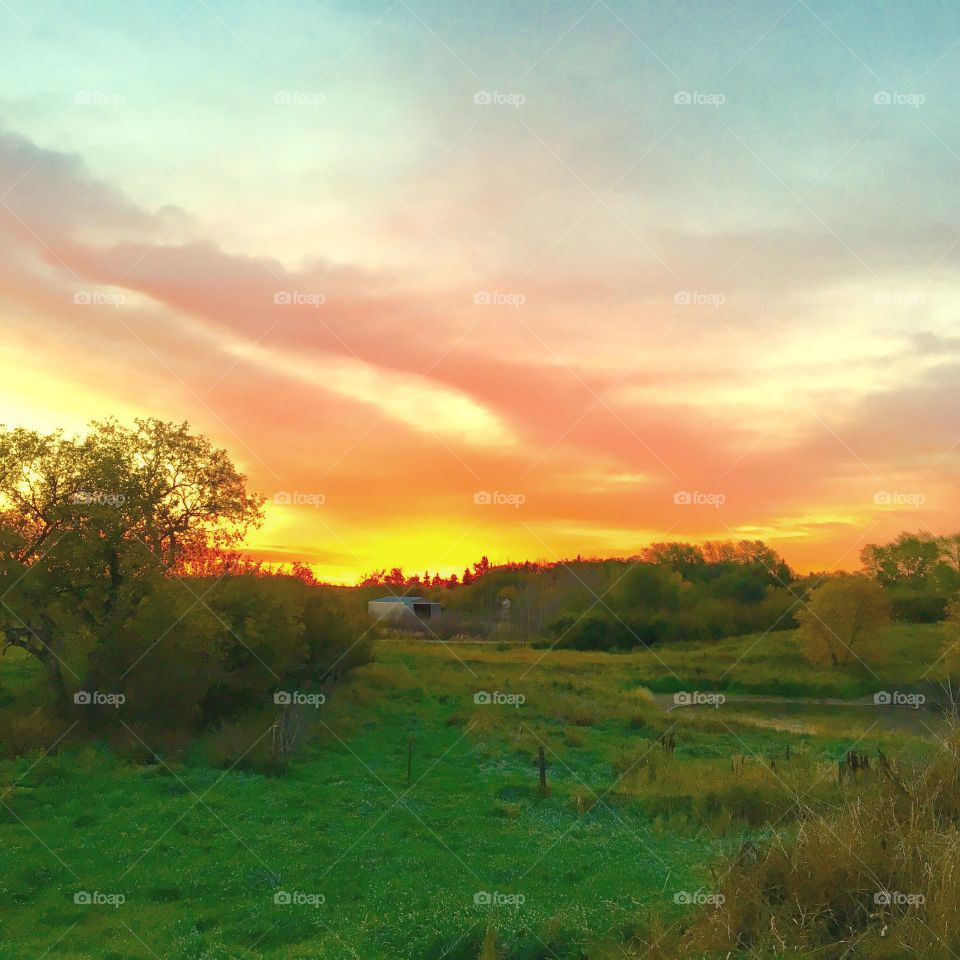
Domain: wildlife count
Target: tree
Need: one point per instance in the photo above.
(721, 553)
(682, 557)
(907, 560)
(843, 620)
(921, 572)
(83, 521)
(949, 547)
(649, 587)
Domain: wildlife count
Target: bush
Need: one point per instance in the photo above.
(24, 733)
(607, 632)
(243, 745)
(223, 657)
(918, 607)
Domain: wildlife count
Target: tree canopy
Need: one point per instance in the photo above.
(842, 620)
(105, 541)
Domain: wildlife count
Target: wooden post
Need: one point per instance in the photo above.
(409, 759)
(542, 761)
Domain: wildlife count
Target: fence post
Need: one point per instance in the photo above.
(409, 759)
(542, 762)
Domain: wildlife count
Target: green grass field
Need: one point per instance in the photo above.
(771, 664)
(200, 853)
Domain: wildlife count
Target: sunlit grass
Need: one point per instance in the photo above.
(200, 850)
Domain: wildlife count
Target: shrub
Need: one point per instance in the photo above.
(245, 744)
(917, 607)
(224, 657)
(24, 733)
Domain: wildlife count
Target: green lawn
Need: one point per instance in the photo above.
(200, 853)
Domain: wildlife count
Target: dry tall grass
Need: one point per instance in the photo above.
(876, 878)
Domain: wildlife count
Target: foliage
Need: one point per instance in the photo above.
(843, 620)
(920, 571)
(670, 591)
(951, 648)
(118, 554)
(92, 519)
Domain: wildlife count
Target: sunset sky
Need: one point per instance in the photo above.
(582, 260)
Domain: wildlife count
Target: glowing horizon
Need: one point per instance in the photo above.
(396, 257)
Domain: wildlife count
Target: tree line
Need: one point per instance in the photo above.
(673, 591)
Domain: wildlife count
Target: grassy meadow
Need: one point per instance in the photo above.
(470, 857)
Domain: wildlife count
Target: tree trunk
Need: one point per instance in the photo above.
(57, 685)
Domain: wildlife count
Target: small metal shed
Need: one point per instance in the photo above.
(396, 608)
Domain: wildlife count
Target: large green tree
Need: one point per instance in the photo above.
(843, 620)
(86, 522)
(909, 559)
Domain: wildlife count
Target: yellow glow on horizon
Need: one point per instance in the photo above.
(42, 399)
(441, 545)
